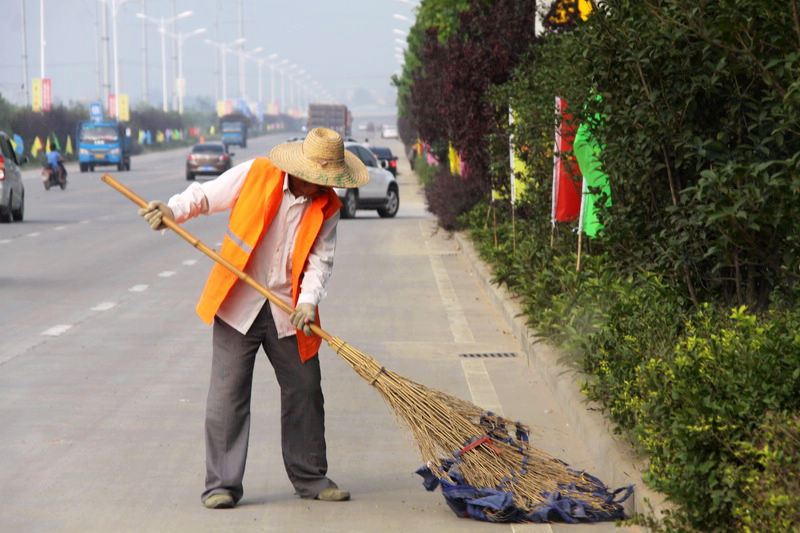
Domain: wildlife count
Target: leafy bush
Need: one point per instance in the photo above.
(702, 136)
(696, 405)
(702, 146)
(771, 492)
(448, 92)
(449, 196)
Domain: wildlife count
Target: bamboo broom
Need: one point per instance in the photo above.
(489, 450)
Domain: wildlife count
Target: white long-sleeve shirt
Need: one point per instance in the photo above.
(271, 261)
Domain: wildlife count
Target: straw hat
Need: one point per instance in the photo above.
(321, 159)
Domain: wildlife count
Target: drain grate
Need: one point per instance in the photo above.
(489, 354)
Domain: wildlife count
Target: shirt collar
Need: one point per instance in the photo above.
(286, 190)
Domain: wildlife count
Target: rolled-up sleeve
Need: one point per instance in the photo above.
(320, 264)
(211, 196)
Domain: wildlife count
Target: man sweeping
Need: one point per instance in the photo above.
(282, 232)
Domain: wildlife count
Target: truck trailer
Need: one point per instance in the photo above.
(332, 116)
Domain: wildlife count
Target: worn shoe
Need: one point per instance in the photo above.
(219, 501)
(333, 495)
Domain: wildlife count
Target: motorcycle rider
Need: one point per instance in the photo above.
(56, 162)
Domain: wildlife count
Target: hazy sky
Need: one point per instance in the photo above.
(348, 46)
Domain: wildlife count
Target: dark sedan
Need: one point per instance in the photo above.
(386, 159)
(208, 159)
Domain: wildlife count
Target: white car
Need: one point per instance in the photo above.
(381, 193)
(389, 133)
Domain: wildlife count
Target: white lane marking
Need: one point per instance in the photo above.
(84, 221)
(34, 234)
(59, 228)
(166, 274)
(138, 288)
(480, 385)
(190, 262)
(55, 331)
(455, 314)
(5, 241)
(104, 306)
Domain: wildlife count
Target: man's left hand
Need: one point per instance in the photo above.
(303, 317)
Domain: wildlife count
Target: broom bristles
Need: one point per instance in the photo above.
(444, 426)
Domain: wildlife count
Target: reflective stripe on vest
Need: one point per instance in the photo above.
(251, 215)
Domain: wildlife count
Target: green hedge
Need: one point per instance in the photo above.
(711, 396)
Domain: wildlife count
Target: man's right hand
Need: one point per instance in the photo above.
(154, 214)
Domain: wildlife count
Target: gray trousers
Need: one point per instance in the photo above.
(228, 409)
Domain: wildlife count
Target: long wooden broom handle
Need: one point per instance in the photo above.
(194, 241)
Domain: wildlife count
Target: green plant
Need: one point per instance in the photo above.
(771, 489)
(696, 405)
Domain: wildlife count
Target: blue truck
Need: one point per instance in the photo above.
(103, 142)
(233, 129)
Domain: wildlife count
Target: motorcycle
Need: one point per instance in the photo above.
(54, 177)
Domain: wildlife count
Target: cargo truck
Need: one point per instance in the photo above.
(101, 143)
(331, 116)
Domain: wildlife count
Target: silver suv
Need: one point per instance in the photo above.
(12, 193)
(381, 193)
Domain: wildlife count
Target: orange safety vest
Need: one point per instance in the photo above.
(251, 215)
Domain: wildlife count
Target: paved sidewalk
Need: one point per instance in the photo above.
(546, 395)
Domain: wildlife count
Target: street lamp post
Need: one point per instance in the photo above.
(243, 75)
(260, 61)
(181, 81)
(294, 87)
(284, 72)
(224, 48)
(272, 68)
(162, 29)
(115, 5)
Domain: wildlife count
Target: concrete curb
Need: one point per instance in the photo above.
(623, 466)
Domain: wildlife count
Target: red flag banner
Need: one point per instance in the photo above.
(566, 176)
(47, 95)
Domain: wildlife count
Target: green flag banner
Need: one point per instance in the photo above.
(595, 181)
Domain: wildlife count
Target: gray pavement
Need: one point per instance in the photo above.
(104, 369)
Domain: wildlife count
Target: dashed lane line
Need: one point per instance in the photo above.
(166, 274)
(455, 313)
(480, 385)
(55, 331)
(104, 306)
(138, 288)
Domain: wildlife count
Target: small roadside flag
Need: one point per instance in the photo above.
(69, 145)
(36, 146)
(19, 144)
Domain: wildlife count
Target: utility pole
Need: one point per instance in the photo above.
(105, 45)
(97, 68)
(42, 40)
(218, 62)
(241, 52)
(25, 74)
(174, 48)
(145, 83)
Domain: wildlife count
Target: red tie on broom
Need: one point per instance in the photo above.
(483, 461)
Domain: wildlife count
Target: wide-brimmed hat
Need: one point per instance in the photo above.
(321, 159)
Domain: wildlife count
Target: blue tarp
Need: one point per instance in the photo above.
(492, 505)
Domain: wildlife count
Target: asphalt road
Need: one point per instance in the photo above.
(104, 367)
